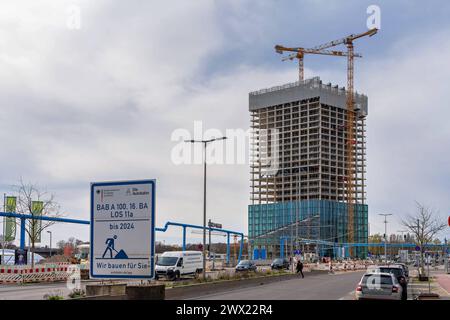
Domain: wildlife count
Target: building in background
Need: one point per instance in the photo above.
(298, 170)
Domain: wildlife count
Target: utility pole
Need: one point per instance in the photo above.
(205, 145)
(403, 239)
(50, 242)
(3, 225)
(385, 233)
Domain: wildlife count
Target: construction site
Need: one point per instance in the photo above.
(308, 163)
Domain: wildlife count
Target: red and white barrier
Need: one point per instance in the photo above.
(40, 273)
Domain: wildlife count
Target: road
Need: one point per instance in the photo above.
(32, 291)
(331, 287)
(339, 286)
(314, 287)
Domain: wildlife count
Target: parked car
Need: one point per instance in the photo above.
(405, 269)
(279, 264)
(398, 272)
(174, 264)
(379, 286)
(246, 265)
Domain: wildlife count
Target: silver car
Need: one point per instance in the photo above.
(380, 286)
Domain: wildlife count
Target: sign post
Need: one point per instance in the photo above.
(212, 225)
(123, 229)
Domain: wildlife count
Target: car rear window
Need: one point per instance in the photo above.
(397, 272)
(376, 278)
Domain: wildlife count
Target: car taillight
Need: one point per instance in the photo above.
(394, 289)
(358, 288)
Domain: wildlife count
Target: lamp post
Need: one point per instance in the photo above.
(385, 233)
(403, 240)
(3, 234)
(205, 144)
(50, 242)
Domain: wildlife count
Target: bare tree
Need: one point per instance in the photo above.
(27, 193)
(424, 225)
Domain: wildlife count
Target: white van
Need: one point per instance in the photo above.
(174, 264)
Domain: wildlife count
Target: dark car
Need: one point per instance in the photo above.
(279, 264)
(398, 272)
(405, 269)
(246, 265)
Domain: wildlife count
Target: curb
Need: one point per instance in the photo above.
(202, 289)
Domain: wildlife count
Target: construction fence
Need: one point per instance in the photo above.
(39, 273)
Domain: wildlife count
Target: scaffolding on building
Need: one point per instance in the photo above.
(298, 158)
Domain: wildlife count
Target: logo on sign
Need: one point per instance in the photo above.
(136, 192)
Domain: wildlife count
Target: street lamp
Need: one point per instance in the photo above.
(403, 240)
(403, 237)
(205, 144)
(385, 233)
(50, 242)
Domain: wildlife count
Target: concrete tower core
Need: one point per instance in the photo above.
(298, 170)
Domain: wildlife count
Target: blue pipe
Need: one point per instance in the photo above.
(23, 218)
(22, 233)
(228, 232)
(184, 238)
(169, 223)
(44, 218)
(228, 248)
(241, 248)
(281, 247)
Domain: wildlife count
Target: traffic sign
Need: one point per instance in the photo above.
(214, 225)
(123, 229)
(417, 248)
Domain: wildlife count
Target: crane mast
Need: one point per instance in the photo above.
(351, 148)
(351, 141)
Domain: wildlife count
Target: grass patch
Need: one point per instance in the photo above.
(77, 293)
(54, 295)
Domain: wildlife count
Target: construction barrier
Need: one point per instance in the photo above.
(337, 266)
(39, 273)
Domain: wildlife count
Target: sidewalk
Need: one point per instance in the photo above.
(444, 282)
(440, 284)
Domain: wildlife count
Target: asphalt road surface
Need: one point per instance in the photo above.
(322, 287)
(32, 291)
(315, 287)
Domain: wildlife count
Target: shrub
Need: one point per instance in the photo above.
(77, 293)
(55, 295)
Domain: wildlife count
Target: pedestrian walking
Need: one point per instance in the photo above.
(330, 267)
(300, 268)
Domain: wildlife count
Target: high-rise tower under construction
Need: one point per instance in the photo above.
(299, 166)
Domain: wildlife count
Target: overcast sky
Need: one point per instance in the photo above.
(101, 101)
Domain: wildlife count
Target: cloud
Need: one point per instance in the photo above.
(407, 126)
(101, 103)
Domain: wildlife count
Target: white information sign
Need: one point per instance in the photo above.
(122, 229)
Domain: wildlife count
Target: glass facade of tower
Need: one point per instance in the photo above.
(307, 166)
(317, 219)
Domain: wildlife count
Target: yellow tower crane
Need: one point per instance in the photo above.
(351, 141)
(299, 53)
